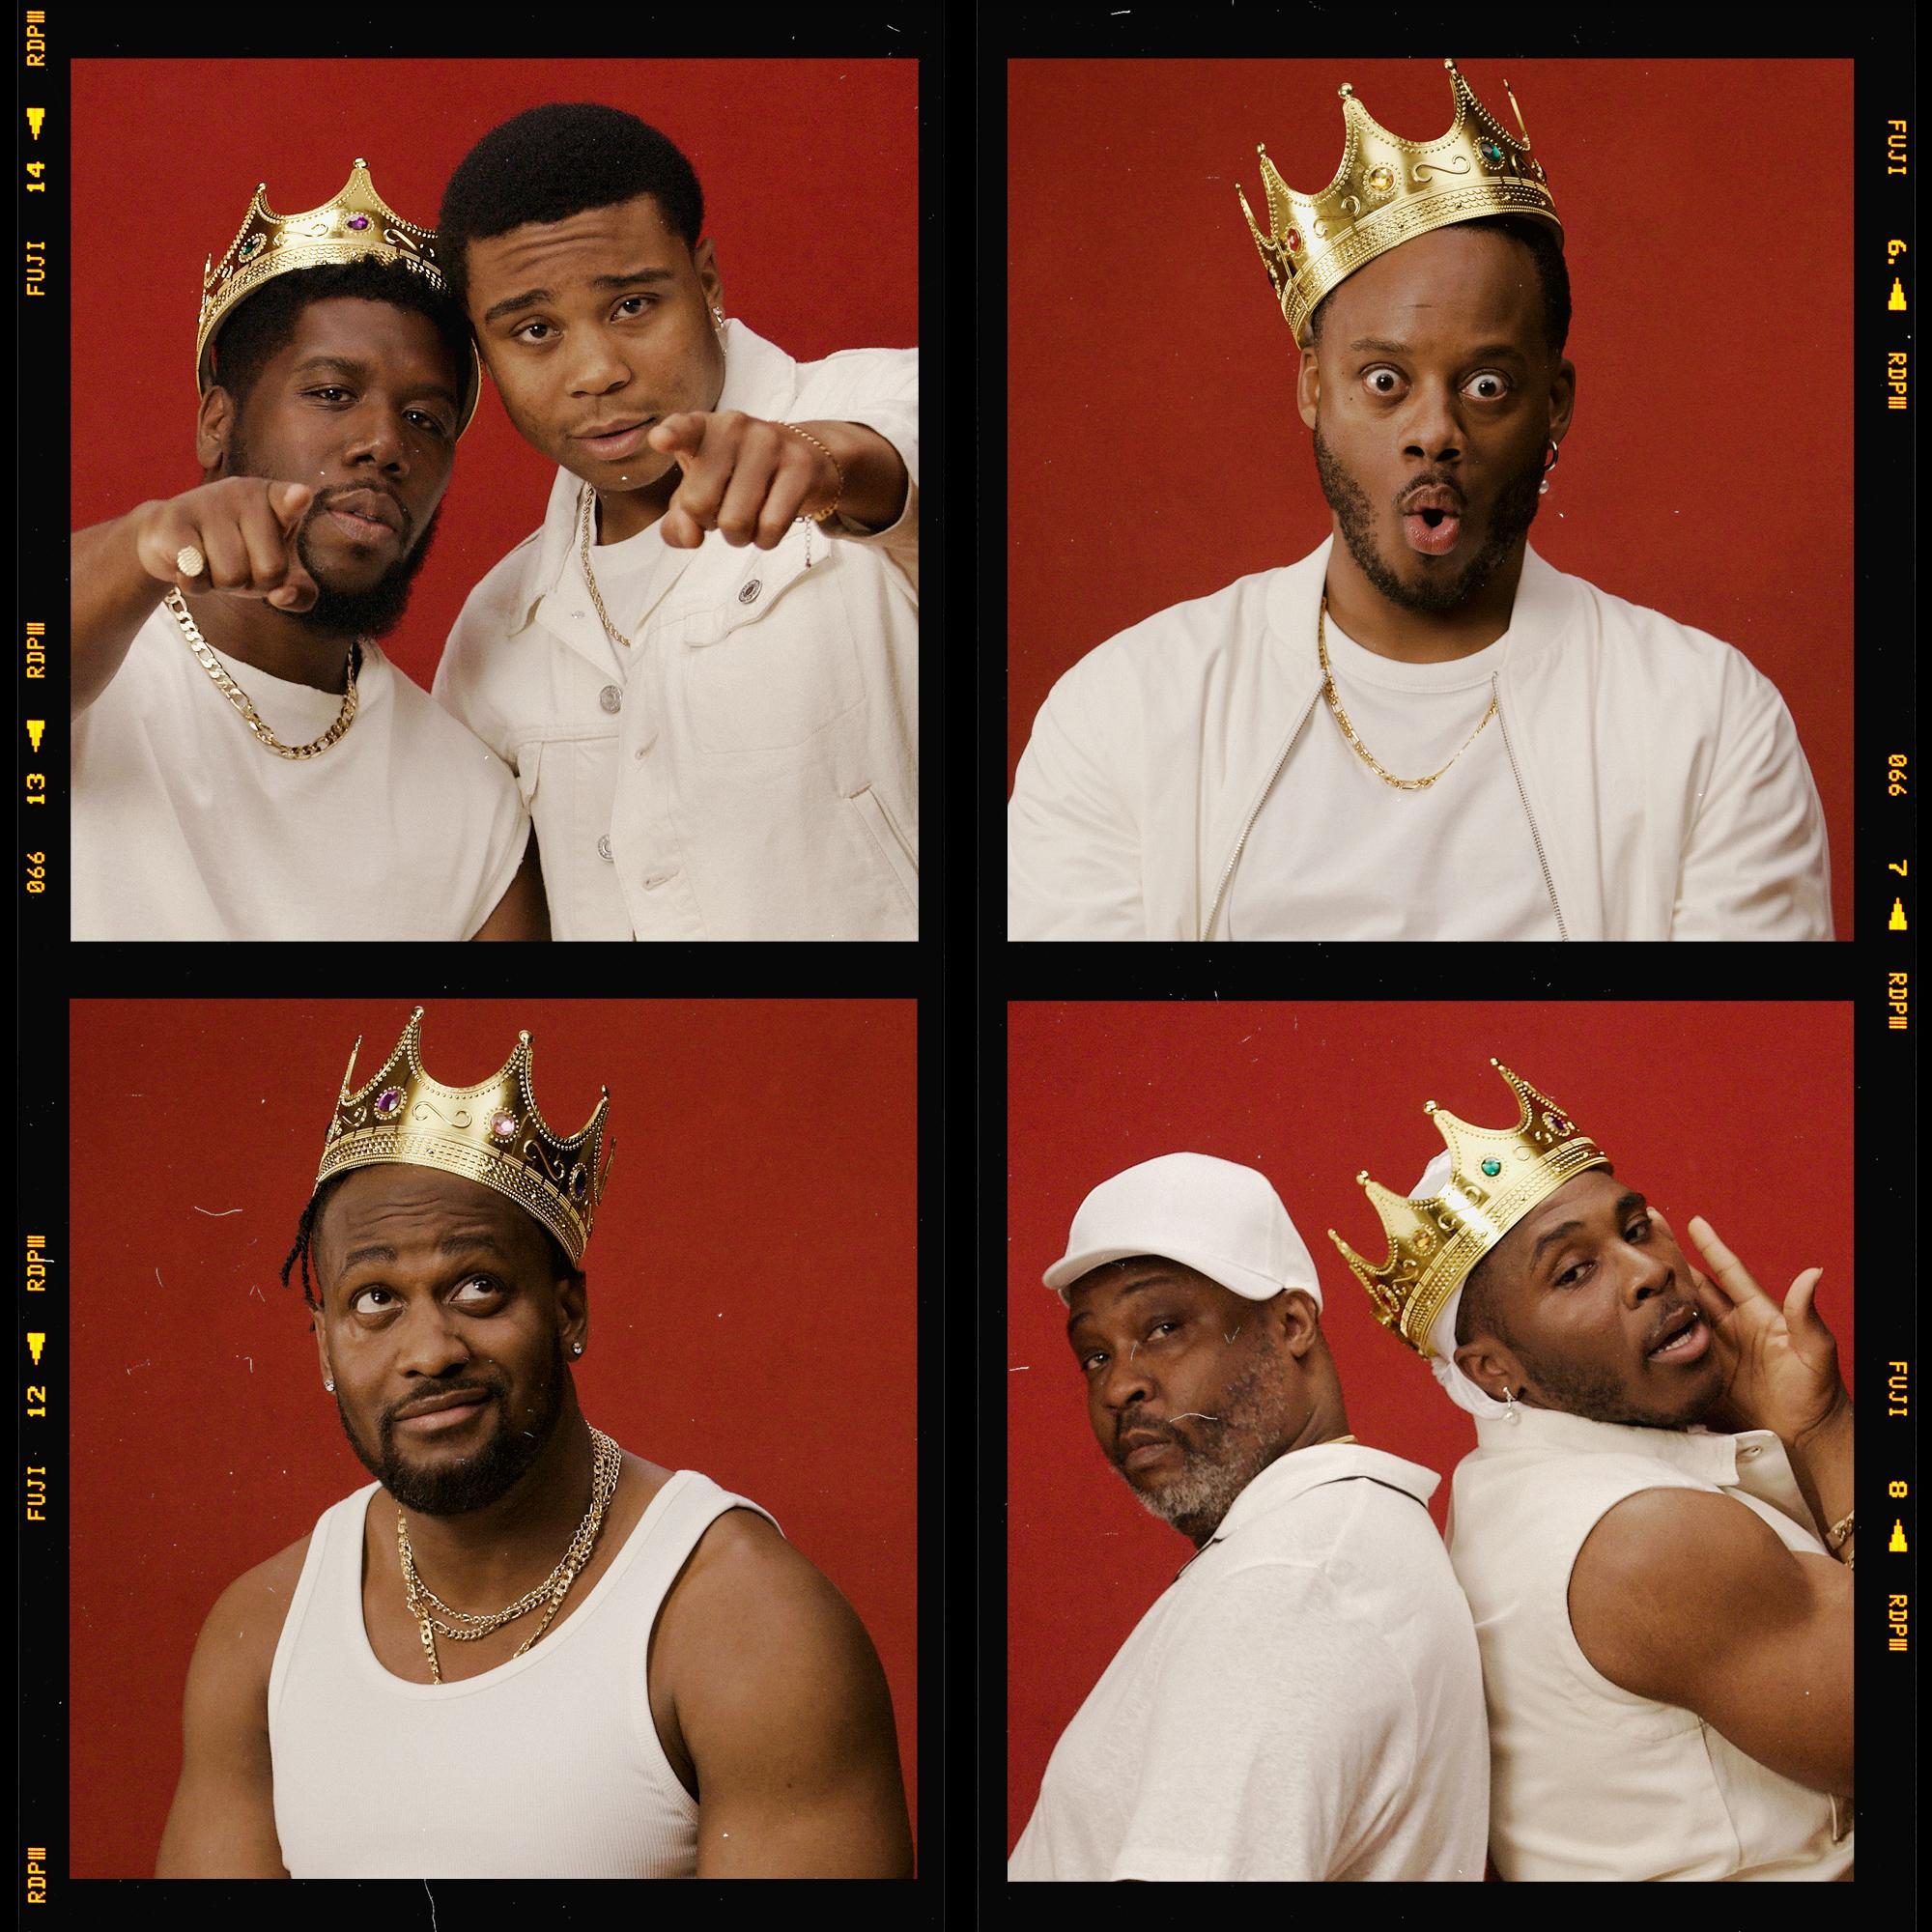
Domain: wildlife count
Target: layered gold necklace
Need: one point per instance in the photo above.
(434, 1616)
(1367, 756)
(237, 697)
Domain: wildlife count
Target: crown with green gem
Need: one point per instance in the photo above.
(1496, 1176)
(1387, 192)
(357, 223)
(493, 1133)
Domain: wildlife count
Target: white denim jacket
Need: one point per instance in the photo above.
(1660, 772)
(749, 769)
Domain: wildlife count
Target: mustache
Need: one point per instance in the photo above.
(1148, 1430)
(431, 1392)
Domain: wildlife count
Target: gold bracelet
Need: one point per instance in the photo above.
(1839, 1532)
(839, 469)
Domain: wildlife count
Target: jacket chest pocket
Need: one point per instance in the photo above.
(771, 662)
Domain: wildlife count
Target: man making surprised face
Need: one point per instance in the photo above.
(247, 764)
(521, 1651)
(703, 666)
(1646, 1530)
(1304, 1701)
(1421, 730)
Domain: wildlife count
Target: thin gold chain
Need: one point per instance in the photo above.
(238, 699)
(1367, 756)
(433, 1615)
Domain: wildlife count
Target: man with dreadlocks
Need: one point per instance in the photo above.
(717, 1710)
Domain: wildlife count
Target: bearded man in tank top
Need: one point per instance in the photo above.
(1655, 1528)
(667, 1690)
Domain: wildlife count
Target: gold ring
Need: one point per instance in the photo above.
(190, 561)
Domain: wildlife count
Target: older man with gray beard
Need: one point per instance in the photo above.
(1304, 1701)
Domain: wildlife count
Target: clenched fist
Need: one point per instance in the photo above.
(244, 529)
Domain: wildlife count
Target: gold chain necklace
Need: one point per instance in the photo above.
(433, 1615)
(237, 697)
(1368, 758)
(588, 497)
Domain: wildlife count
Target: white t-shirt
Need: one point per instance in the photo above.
(1337, 854)
(1304, 1701)
(185, 827)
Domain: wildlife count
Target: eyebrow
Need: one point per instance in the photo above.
(635, 278)
(347, 365)
(450, 1245)
(1625, 1202)
(1159, 1279)
(1384, 347)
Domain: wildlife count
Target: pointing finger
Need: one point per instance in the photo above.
(681, 435)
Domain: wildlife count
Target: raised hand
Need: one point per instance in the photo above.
(243, 528)
(744, 478)
(1781, 1364)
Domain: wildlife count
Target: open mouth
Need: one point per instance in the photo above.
(1686, 1342)
(1433, 532)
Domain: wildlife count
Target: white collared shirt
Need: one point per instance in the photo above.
(1590, 1780)
(1304, 1701)
(748, 768)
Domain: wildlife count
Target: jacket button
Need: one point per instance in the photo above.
(604, 846)
(748, 593)
(610, 698)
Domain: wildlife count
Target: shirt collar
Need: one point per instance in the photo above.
(1295, 1474)
(1753, 1460)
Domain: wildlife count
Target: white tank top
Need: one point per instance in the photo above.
(548, 1766)
(1588, 1780)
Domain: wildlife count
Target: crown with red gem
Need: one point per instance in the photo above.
(492, 1134)
(357, 223)
(1496, 1176)
(1387, 192)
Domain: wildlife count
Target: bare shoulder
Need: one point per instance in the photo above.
(245, 1624)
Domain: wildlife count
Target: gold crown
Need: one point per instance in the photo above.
(1496, 1176)
(492, 1132)
(357, 223)
(1387, 192)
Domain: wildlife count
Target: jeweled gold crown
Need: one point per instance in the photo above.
(1387, 192)
(1496, 1176)
(492, 1134)
(357, 222)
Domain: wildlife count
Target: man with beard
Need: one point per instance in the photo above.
(704, 664)
(1646, 1530)
(669, 1690)
(246, 763)
(1304, 1701)
(1349, 746)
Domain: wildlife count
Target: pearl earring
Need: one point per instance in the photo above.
(328, 1385)
(577, 1347)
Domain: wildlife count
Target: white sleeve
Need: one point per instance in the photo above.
(509, 836)
(1755, 865)
(1073, 839)
(1278, 1719)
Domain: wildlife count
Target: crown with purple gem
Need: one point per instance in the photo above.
(492, 1134)
(359, 222)
(1387, 192)
(1496, 1176)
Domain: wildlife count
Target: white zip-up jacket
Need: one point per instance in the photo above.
(1660, 772)
(750, 768)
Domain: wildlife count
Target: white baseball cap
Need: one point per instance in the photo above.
(1215, 1216)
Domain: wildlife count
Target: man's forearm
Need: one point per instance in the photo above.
(113, 597)
(875, 474)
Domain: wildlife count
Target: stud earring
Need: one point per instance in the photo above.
(328, 1385)
(577, 1347)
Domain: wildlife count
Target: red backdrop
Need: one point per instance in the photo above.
(777, 144)
(1156, 453)
(1742, 1113)
(752, 1279)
